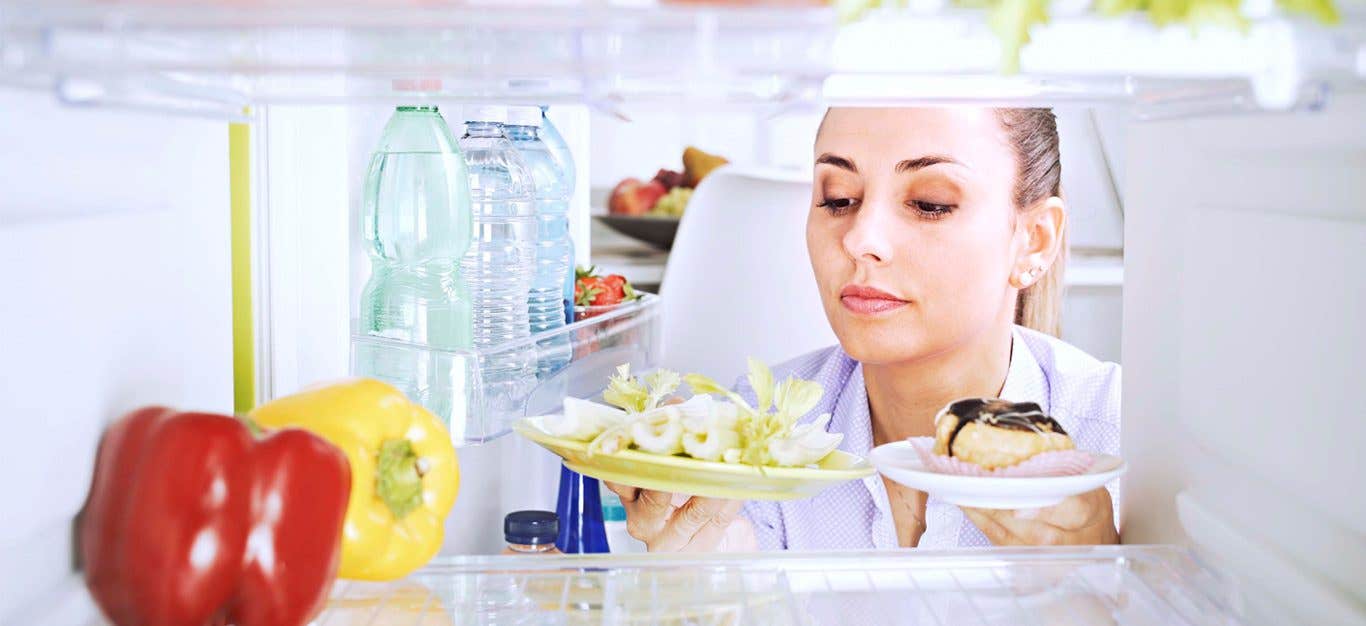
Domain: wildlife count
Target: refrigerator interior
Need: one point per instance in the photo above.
(1232, 161)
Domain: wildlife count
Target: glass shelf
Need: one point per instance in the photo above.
(1111, 584)
(214, 57)
(457, 385)
(217, 56)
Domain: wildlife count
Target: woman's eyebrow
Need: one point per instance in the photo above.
(910, 165)
(840, 162)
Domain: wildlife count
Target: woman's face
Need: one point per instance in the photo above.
(912, 230)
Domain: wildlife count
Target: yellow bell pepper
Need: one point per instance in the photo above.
(404, 475)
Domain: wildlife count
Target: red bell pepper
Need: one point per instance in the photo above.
(191, 521)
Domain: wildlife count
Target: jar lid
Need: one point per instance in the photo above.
(531, 528)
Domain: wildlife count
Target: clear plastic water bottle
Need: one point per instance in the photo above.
(417, 224)
(553, 141)
(501, 260)
(554, 250)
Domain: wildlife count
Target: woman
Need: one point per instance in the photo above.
(937, 238)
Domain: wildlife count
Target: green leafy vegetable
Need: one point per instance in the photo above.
(779, 408)
(1321, 10)
(662, 383)
(702, 384)
(1011, 21)
(796, 397)
(625, 391)
(761, 379)
(628, 393)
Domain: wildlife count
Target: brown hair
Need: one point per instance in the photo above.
(1033, 134)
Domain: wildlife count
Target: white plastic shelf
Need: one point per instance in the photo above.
(213, 57)
(946, 55)
(1125, 585)
(457, 387)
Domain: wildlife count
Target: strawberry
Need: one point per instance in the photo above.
(593, 290)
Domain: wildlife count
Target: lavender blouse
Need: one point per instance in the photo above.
(1079, 391)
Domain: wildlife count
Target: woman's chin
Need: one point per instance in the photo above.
(881, 341)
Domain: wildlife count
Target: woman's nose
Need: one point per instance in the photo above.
(869, 238)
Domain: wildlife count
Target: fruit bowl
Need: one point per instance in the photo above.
(656, 231)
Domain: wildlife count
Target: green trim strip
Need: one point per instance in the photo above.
(243, 331)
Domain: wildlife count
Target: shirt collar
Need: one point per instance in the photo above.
(1025, 382)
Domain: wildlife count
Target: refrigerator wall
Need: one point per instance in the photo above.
(1244, 296)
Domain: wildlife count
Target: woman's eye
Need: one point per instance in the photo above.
(837, 206)
(931, 210)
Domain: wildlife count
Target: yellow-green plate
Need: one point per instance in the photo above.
(680, 474)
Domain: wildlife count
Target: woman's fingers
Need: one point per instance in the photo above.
(713, 533)
(627, 493)
(988, 521)
(1072, 513)
(1083, 519)
(647, 514)
(697, 524)
(1031, 532)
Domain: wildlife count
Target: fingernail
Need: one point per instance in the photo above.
(1027, 513)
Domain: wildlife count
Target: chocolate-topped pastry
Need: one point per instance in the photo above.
(996, 433)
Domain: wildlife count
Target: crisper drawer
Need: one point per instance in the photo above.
(1105, 585)
(477, 405)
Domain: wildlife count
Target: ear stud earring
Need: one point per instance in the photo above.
(1028, 276)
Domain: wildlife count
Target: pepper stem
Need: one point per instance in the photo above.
(397, 480)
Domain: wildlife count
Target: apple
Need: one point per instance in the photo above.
(632, 197)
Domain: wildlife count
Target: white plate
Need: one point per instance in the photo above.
(899, 462)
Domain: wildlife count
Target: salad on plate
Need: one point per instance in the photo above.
(714, 443)
(642, 413)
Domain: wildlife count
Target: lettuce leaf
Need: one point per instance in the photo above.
(761, 379)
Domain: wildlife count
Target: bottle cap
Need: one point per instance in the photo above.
(487, 113)
(531, 528)
(524, 116)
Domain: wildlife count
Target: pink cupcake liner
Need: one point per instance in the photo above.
(1056, 463)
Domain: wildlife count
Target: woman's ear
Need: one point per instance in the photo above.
(1042, 227)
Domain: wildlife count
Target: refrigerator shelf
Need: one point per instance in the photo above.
(457, 386)
(212, 57)
(1088, 585)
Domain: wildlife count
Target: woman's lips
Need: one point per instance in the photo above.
(863, 300)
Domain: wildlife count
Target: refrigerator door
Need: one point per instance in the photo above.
(114, 257)
(1244, 300)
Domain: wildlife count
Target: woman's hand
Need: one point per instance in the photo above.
(697, 525)
(1086, 519)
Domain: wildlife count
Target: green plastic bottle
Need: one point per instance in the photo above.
(416, 228)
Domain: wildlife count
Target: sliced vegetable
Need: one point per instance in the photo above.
(710, 428)
(583, 420)
(807, 444)
(702, 427)
(659, 431)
